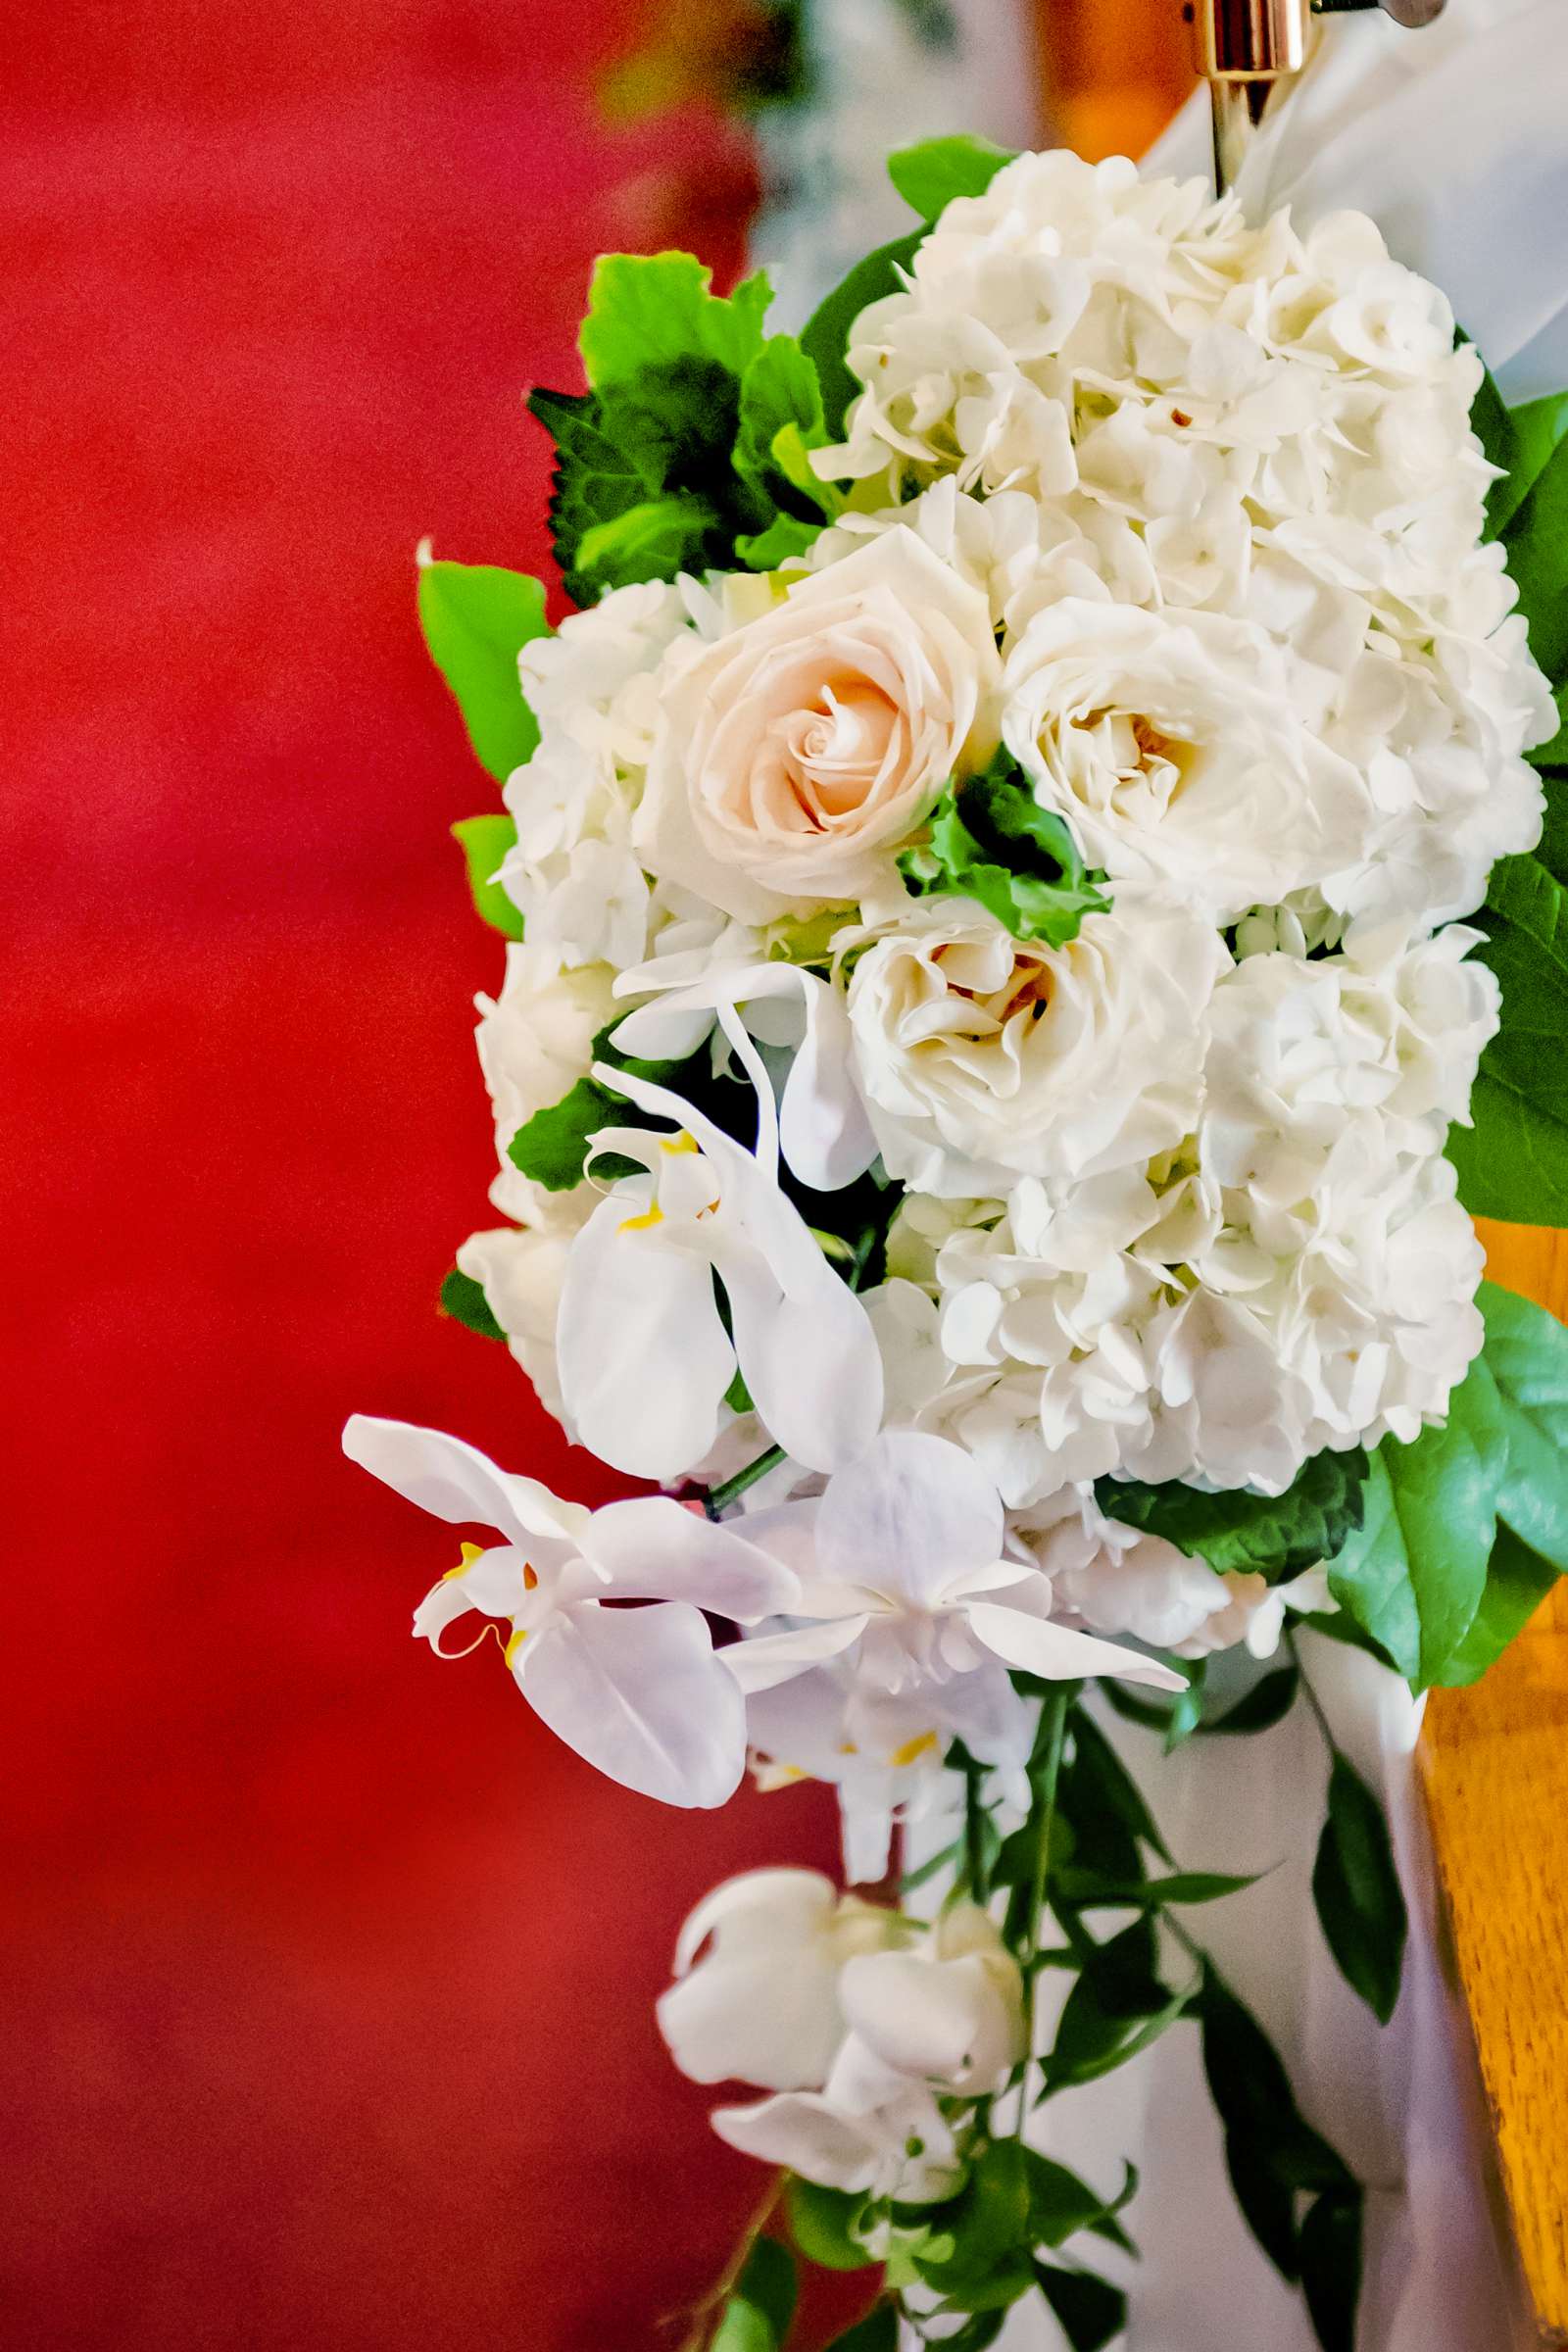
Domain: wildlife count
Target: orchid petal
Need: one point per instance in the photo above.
(1059, 1654)
(773, 1658)
(456, 1481)
(957, 2021)
(653, 1548)
(639, 1694)
(910, 1516)
(810, 1361)
(801, 2130)
(765, 1904)
(643, 1359)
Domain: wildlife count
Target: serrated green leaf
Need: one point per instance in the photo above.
(1355, 1888)
(1536, 538)
(476, 618)
(1089, 2311)
(1278, 1536)
(1512, 1161)
(821, 2223)
(464, 1299)
(931, 173)
(654, 310)
(780, 420)
(783, 540)
(484, 842)
(1268, 1702)
(825, 336)
(988, 840)
(1414, 1573)
(1329, 2253)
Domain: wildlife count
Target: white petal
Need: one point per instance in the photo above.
(651, 1548)
(823, 1128)
(456, 1481)
(769, 2018)
(801, 2130)
(643, 1359)
(774, 1658)
(794, 1905)
(953, 2021)
(810, 1361)
(640, 1693)
(1059, 1654)
(913, 1515)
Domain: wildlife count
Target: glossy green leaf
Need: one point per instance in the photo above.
(1414, 1572)
(825, 337)
(1268, 1702)
(1356, 1891)
(878, 2331)
(1518, 1581)
(1252, 2094)
(1512, 1161)
(1089, 2311)
(1061, 2204)
(930, 175)
(1097, 1788)
(1536, 539)
(484, 842)
(476, 618)
(761, 2306)
(1278, 1536)
(1087, 1890)
(1527, 1355)
(1187, 1710)
(464, 1299)
(552, 1148)
(1118, 2006)
(1329, 2253)
(988, 838)
(821, 2223)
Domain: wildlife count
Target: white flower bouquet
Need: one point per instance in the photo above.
(1035, 881)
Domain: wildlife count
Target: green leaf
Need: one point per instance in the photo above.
(476, 618)
(878, 2331)
(1356, 1891)
(1513, 1159)
(1553, 754)
(1117, 2007)
(1087, 1890)
(552, 1148)
(1268, 1702)
(931, 173)
(651, 310)
(988, 840)
(1518, 1581)
(1329, 2251)
(821, 2223)
(785, 537)
(825, 337)
(1061, 2204)
(1277, 1536)
(1414, 1573)
(1493, 427)
(1089, 2311)
(1536, 538)
(1134, 1706)
(1526, 1354)
(761, 2305)
(1187, 1713)
(464, 1299)
(1252, 2094)
(484, 842)
(1097, 1786)
(780, 420)
(653, 540)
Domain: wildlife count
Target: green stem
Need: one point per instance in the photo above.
(718, 1499)
(1312, 1699)
(976, 1878)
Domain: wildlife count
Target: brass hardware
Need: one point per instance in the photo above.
(1252, 52)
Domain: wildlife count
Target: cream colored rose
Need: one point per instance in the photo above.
(983, 1058)
(1170, 747)
(797, 753)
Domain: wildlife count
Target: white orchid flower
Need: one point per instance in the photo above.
(639, 1692)
(645, 1357)
(946, 2014)
(909, 1581)
(824, 1131)
(761, 2003)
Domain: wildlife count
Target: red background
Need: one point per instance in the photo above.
(327, 1976)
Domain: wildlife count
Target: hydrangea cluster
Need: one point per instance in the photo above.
(1175, 524)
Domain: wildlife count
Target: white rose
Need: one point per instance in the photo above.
(1170, 747)
(983, 1058)
(535, 1041)
(795, 754)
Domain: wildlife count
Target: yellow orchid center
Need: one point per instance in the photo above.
(518, 1637)
(912, 1749)
(468, 1554)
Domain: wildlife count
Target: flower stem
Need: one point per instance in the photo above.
(706, 2314)
(718, 1499)
(977, 1879)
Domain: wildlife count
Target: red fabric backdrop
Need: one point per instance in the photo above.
(327, 1975)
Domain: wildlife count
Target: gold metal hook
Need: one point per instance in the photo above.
(1252, 52)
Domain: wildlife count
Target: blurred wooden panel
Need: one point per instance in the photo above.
(1496, 1773)
(1114, 71)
